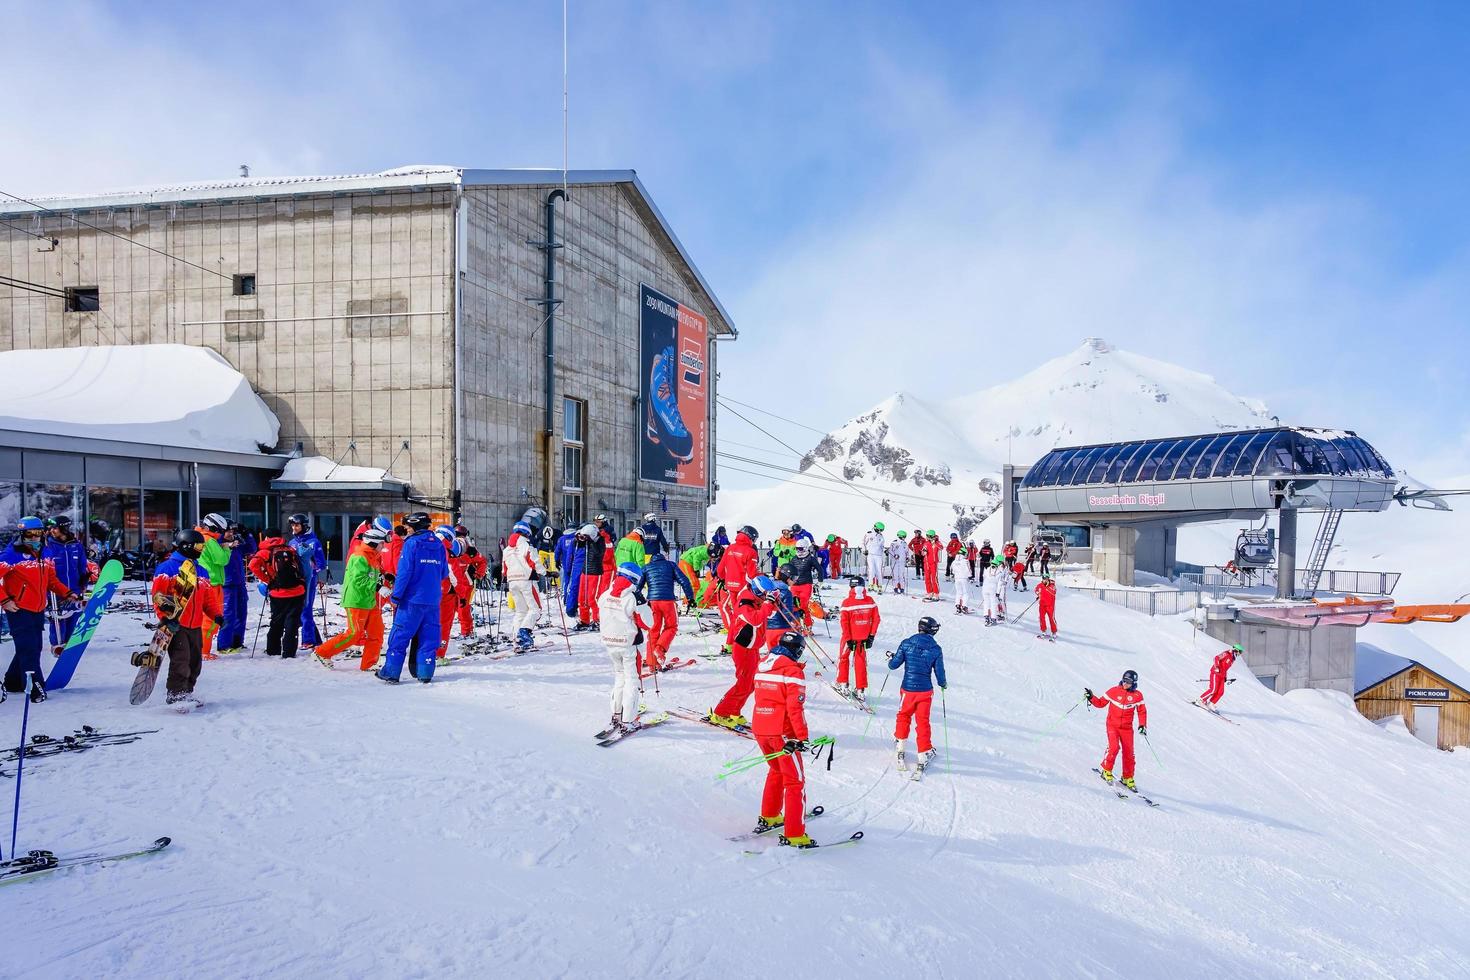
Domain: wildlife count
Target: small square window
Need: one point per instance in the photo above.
(244, 285)
(82, 299)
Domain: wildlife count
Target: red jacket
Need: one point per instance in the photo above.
(916, 543)
(1223, 663)
(260, 567)
(972, 552)
(204, 605)
(859, 616)
(1121, 704)
(609, 561)
(26, 583)
(834, 552)
(953, 548)
(1009, 552)
(780, 691)
(931, 554)
(739, 564)
(468, 569)
(749, 612)
(1046, 596)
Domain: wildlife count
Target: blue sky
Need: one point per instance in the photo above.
(931, 197)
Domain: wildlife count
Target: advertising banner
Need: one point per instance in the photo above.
(673, 355)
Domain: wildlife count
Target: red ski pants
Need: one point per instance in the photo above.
(803, 596)
(1045, 613)
(590, 587)
(858, 651)
(1216, 689)
(915, 705)
(725, 602)
(1120, 737)
(364, 629)
(451, 607)
(785, 787)
(746, 660)
(665, 626)
(931, 578)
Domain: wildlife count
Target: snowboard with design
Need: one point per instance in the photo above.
(107, 582)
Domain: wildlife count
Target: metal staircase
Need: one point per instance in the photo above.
(1321, 548)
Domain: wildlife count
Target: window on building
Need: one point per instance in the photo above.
(112, 518)
(163, 514)
(1205, 465)
(82, 299)
(11, 497)
(244, 284)
(573, 458)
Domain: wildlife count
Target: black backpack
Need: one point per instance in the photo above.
(286, 569)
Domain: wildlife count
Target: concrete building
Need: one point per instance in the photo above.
(400, 321)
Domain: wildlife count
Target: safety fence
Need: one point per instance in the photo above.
(1218, 581)
(1153, 602)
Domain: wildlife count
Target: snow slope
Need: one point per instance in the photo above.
(921, 463)
(170, 394)
(327, 825)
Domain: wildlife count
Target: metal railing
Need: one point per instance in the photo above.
(1153, 602)
(1217, 581)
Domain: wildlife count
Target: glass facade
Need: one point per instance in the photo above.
(1263, 453)
(163, 514)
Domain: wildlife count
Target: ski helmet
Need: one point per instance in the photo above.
(417, 521)
(1130, 679)
(856, 583)
(456, 547)
(931, 533)
(588, 531)
(215, 522)
(444, 532)
(954, 536)
(792, 644)
(633, 573)
(521, 528)
(762, 584)
(786, 572)
(650, 518)
(750, 533)
(1046, 576)
(878, 525)
(60, 520)
(1237, 648)
(928, 625)
(796, 529)
(638, 531)
(803, 547)
(831, 538)
(600, 519)
(786, 532)
(301, 519)
(374, 536)
(189, 541)
(716, 551)
(987, 542)
(460, 531)
(902, 533)
(383, 524)
(997, 562)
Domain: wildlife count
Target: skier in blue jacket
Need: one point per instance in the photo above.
(571, 558)
(919, 656)
(237, 598)
(423, 565)
(653, 535)
(660, 576)
(69, 555)
(308, 548)
(782, 605)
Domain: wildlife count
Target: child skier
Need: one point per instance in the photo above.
(961, 593)
(860, 619)
(1223, 662)
(780, 727)
(932, 550)
(624, 617)
(897, 572)
(1046, 604)
(361, 582)
(1121, 701)
(919, 656)
(994, 592)
(876, 553)
(747, 638)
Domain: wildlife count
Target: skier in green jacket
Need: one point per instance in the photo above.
(213, 560)
(630, 550)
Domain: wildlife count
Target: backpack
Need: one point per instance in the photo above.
(286, 569)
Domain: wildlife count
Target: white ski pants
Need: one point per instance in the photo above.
(961, 590)
(625, 681)
(528, 604)
(992, 604)
(875, 568)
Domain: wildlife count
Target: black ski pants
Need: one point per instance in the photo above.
(284, 633)
(185, 658)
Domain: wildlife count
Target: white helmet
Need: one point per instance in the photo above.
(803, 547)
(588, 530)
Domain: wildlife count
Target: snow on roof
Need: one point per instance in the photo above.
(1395, 648)
(322, 470)
(161, 394)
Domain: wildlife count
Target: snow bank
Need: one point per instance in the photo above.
(321, 469)
(168, 394)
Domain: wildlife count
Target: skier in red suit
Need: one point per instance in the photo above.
(780, 728)
(1122, 703)
(1221, 667)
(860, 618)
(737, 566)
(835, 545)
(747, 637)
(1046, 602)
(932, 550)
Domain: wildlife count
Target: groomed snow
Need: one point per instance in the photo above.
(327, 825)
(165, 394)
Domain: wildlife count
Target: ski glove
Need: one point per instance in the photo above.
(795, 746)
(1087, 693)
(1142, 731)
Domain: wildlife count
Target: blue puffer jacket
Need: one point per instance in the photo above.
(919, 655)
(309, 550)
(783, 617)
(653, 538)
(659, 576)
(70, 559)
(235, 570)
(422, 568)
(569, 558)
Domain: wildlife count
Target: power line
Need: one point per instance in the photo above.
(124, 238)
(33, 287)
(885, 491)
(726, 398)
(27, 231)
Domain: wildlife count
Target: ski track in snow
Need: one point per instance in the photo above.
(328, 825)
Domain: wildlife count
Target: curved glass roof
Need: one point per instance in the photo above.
(1247, 453)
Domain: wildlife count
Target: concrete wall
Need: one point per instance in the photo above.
(611, 247)
(1113, 551)
(330, 378)
(1324, 657)
(1156, 550)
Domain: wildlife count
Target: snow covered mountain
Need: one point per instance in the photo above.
(927, 463)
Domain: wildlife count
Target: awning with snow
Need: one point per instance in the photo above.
(322, 474)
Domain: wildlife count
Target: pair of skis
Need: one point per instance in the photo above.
(920, 764)
(37, 863)
(812, 814)
(852, 698)
(689, 714)
(612, 736)
(1119, 792)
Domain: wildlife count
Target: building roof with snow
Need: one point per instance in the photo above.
(170, 395)
(322, 473)
(1375, 664)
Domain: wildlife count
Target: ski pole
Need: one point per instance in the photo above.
(1058, 723)
(259, 622)
(563, 614)
(881, 688)
(1145, 739)
(25, 719)
(747, 763)
(944, 713)
(1023, 612)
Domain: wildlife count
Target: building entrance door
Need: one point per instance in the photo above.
(1426, 724)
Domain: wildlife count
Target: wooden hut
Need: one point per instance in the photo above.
(1434, 703)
